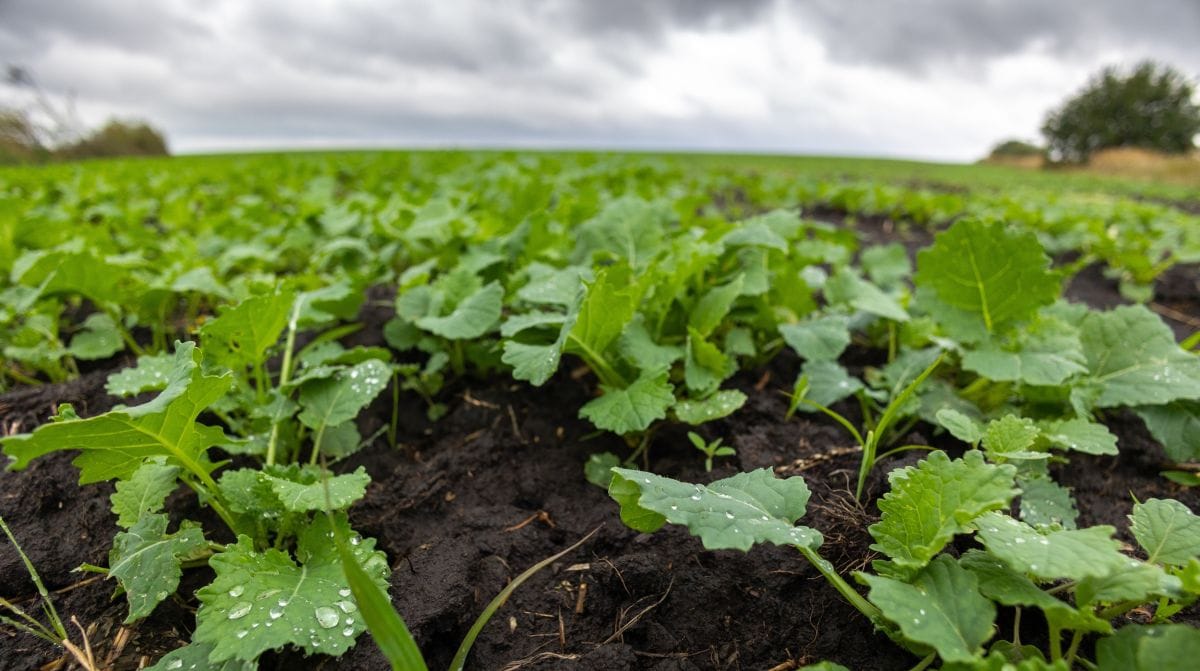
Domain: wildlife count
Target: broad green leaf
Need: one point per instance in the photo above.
(99, 339)
(713, 306)
(941, 608)
(637, 345)
(69, 271)
(1072, 554)
(265, 600)
(818, 339)
(631, 409)
(1045, 353)
(1177, 426)
(334, 400)
(1163, 647)
(302, 489)
(960, 425)
(598, 468)
(472, 317)
(1005, 586)
(1136, 581)
(1045, 502)
(823, 666)
(828, 382)
(986, 278)
(145, 560)
(705, 365)
(1167, 530)
(845, 287)
(607, 307)
(721, 404)
(1133, 359)
(115, 444)
(240, 336)
(553, 286)
(145, 492)
(194, 657)
(886, 265)
(1080, 435)
(1012, 438)
(152, 373)
(530, 320)
(933, 501)
(734, 513)
(628, 228)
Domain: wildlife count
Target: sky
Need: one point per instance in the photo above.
(931, 79)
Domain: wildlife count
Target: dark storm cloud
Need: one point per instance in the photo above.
(916, 35)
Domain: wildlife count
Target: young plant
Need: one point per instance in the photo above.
(710, 450)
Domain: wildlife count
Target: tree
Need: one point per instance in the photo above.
(1150, 107)
(118, 138)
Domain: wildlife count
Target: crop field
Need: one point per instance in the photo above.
(596, 411)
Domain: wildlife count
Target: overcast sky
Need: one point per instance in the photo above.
(940, 79)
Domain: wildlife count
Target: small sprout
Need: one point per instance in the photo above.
(710, 450)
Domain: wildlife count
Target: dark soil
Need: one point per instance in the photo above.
(498, 485)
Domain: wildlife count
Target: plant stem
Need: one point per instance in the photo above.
(889, 415)
(1073, 649)
(904, 448)
(837, 417)
(844, 588)
(924, 663)
(394, 426)
(47, 602)
(285, 372)
(1055, 643)
(1017, 627)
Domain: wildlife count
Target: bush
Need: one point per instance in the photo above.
(1015, 149)
(118, 138)
(1151, 107)
(18, 138)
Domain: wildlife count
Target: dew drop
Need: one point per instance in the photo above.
(242, 633)
(175, 664)
(728, 515)
(695, 497)
(239, 610)
(276, 612)
(343, 593)
(236, 591)
(282, 603)
(326, 617)
(348, 631)
(347, 606)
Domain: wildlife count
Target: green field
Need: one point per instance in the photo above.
(272, 334)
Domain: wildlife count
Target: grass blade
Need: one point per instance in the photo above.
(464, 648)
(385, 624)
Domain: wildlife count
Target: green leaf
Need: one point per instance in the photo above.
(823, 666)
(194, 657)
(152, 373)
(145, 560)
(1045, 503)
(1011, 438)
(845, 287)
(1073, 554)
(960, 425)
(1163, 647)
(713, 306)
(115, 444)
(734, 513)
(631, 409)
(99, 339)
(639, 347)
(598, 468)
(1080, 435)
(241, 335)
(721, 404)
(265, 600)
(828, 383)
(1046, 353)
(986, 278)
(607, 307)
(1177, 426)
(820, 338)
(145, 492)
(705, 365)
(1133, 359)
(334, 400)
(471, 318)
(933, 501)
(628, 228)
(941, 608)
(1167, 530)
(1005, 586)
(886, 265)
(302, 489)
(1135, 581)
